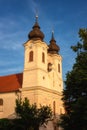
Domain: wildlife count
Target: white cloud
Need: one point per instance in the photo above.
(8, 45)
(6, 63)
(34, 6)
(11, 40)
(11, 70)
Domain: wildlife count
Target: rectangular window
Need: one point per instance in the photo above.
(59, 68)
(54, 107)
(43, 57)
(31, 56)
(1, 104)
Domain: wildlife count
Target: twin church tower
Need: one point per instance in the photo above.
(41, 81)
(42, 75)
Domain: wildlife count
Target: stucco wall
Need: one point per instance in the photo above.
(8, 107)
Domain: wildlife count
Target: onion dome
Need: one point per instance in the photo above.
(36, 34)
(53, 47)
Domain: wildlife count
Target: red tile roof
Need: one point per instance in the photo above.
(11, 83)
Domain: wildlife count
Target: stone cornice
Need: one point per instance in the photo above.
(42, 88)
(34, 69)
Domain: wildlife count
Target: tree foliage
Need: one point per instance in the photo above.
(31, 116)
(5, 124)
(75, 92)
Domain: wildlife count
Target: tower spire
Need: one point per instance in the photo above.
(53, 47)
(36, 16)
(36, 33)
(52, 34)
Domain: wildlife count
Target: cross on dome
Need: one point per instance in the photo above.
(53, 47)
(36, 33)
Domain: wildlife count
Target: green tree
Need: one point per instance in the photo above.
(5, 124)
(75, 92)
(31, 116)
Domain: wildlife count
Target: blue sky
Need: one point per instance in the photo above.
(17, 18)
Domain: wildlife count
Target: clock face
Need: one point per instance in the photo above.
(43, 48)
(31, 45)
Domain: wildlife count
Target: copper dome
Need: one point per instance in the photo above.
(36, 33)
(53, 47)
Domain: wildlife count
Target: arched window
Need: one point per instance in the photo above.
(1, 101)
(59, 68)
(31, 56)
(43, 57)
(1, 104)
(49, 67)
(54, 107)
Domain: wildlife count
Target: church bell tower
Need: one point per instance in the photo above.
(42, 75)
(35, 63)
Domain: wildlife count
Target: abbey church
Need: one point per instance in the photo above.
(41, 81)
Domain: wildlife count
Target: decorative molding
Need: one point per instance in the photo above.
(34, 69)
(41, 88)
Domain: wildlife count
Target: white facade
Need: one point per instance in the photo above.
(42, 79)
